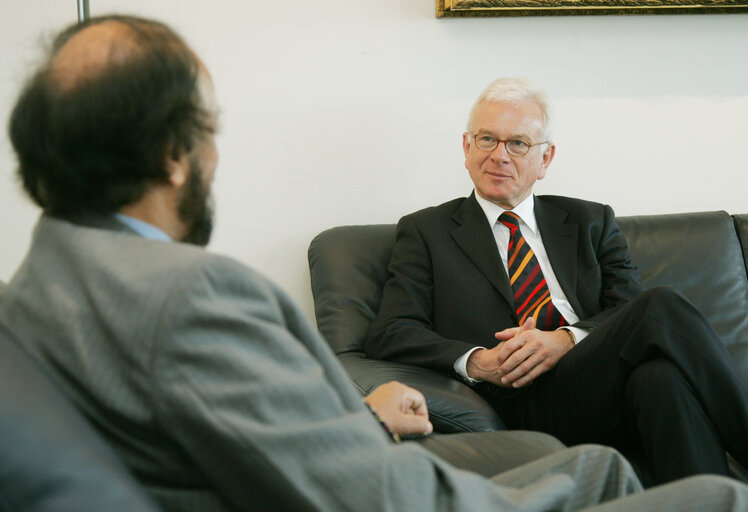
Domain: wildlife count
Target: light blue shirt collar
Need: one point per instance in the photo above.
(144, 229)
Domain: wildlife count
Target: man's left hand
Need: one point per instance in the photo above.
(525, 353)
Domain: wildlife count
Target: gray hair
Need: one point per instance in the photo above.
(514, 90)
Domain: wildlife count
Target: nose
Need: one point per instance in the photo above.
(500, 153)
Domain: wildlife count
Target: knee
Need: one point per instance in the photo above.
(655, 382)
(662, 295)
(546, 442)
(609, 462)
(600, 453)
(664, 298)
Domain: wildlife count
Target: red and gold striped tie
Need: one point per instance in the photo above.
(531, 294)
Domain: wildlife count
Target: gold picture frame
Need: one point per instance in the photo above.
(461, 8)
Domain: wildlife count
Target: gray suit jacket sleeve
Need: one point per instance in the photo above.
(253, 395)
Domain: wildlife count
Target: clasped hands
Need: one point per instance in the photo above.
(523, 354)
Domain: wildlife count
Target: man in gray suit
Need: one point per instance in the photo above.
(205, 378)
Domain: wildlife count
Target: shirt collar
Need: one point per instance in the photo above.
(524, 210)
(143, 228)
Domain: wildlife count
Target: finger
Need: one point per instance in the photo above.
(511, 332)
(505, 350)
(508, 349)
(522, 371)
(528, 325)
(412, 424)
(514, 362)
(538, 370)
(528, 348)
(506, 334)
(416, 404)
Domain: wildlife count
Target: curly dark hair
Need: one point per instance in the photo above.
(98, 145)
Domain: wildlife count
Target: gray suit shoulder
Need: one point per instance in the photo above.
(207, 275)
(221, 272)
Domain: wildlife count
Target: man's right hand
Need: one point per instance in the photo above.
(524, 354)
(484, 364)
(401, 408)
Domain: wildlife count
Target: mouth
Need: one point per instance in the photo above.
(498, 175)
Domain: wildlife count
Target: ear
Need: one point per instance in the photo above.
(178, 169)
(548, 155)
(466, 143)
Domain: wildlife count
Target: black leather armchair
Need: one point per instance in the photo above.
(51, 460)
(699, 254)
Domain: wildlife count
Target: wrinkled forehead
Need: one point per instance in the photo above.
(508, 118)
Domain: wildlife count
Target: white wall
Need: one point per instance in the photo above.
(348, 111)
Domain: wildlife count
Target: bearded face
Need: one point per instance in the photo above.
(196, 207)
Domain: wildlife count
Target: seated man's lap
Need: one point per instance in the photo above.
(491, 453)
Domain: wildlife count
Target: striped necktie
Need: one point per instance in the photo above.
(531, 294)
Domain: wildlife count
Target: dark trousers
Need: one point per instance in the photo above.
(653, 381)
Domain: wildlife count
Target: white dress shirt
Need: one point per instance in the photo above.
(529, 228)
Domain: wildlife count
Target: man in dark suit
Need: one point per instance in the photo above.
(207, 380)
(534, 300)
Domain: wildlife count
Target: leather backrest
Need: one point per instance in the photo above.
(697, 253)
(741, 226)
(348, 267)
(51, 460)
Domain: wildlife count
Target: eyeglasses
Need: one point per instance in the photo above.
(515, 147)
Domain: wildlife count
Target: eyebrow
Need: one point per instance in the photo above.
(519, 136)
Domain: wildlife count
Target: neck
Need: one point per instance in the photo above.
(158, 207)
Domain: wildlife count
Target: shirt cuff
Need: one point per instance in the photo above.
(460, 365)
(578, 332)
(392, 435)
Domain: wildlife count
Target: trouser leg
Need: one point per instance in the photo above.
(674, 329)
(659, 399)
(491, 453)
(582, 398)
(695, 494)
(599, 474)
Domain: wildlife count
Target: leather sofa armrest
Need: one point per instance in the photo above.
(453, 406)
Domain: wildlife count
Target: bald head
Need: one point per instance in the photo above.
(89, 52)
(95, 125)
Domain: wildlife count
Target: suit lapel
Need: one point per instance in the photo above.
(474, 236)
(561, 241)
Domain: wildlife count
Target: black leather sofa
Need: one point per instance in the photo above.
(701, 254)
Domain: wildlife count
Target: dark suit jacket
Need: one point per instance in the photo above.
(448, 291)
